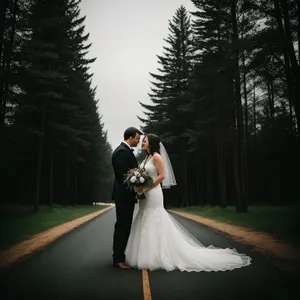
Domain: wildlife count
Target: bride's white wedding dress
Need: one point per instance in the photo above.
(158, 241)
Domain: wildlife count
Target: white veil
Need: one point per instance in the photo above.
(170, 177)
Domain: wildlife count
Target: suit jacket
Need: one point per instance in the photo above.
(123, 159)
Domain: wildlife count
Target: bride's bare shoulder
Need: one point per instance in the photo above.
(157, 156)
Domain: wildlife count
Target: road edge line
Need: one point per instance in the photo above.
(26, 248)
(286, 257)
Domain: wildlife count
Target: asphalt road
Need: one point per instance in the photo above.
(79, 266)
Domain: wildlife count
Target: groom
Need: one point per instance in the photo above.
(123, 159)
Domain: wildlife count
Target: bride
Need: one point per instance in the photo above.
(157, 240)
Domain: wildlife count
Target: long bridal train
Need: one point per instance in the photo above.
(158, 241)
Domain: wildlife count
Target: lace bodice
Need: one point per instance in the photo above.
(150, 167)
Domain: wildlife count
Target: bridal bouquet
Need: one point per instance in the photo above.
(138, 178)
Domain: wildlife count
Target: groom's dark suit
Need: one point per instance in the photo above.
(123, 159)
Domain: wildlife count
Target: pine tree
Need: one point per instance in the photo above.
(165, 116)
(14, 15)
(280, 40)
(218, 39)
(57, 134)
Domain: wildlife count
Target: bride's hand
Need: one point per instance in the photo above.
(140, 191)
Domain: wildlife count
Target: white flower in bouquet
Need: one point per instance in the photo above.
(133, 179)
(136, 173)
(142, 180)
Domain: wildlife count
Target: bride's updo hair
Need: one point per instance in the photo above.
(154, 141)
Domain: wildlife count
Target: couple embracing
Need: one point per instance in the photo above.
(146, 236)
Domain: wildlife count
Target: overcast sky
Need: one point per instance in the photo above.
(126, 36)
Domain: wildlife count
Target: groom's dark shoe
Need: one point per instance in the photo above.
(122, 265)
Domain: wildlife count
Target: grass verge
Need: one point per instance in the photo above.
(18, 223)
(280, 221)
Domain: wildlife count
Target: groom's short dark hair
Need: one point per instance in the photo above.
(131, 132)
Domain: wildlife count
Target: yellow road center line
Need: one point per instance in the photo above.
(146, 285)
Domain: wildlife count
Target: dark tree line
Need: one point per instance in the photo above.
(53, 145)
(225, 101)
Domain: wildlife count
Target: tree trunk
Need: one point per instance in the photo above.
(271, 99)
(198, 185)
(233, 142)
(67, 185)
(198, 181)
(290, 44)
(246, 121)
(246, 101)
(202, 190)
(293, 59)
(298, 19)
(239, 111)
(209, 187)
(191, 190)
(254, 117)
(291, 114)
(291, 66)
(75, 184)
(51, 177)
(221, 174)
(185, 200)
(40, 159)
(291, 94)
(238, 202)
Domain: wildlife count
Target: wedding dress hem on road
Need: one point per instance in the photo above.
(157, 241)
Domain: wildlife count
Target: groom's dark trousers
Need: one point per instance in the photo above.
(123, 159)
